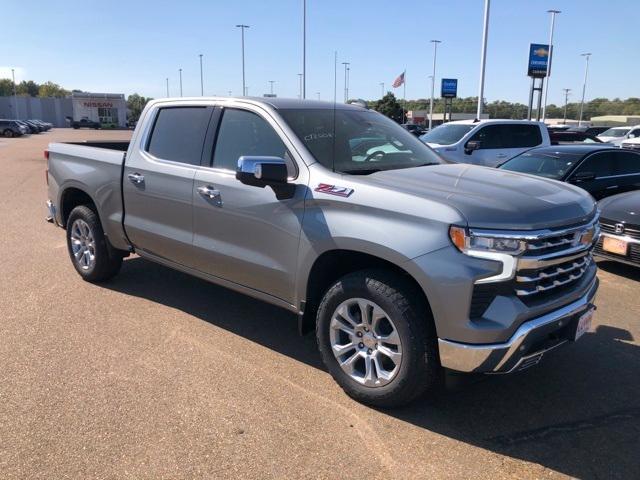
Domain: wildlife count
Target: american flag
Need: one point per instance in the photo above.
(398, 81)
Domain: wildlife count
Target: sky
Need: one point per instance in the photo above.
(133, 46)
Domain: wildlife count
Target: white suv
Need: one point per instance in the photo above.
(617, 135)
(486, 142)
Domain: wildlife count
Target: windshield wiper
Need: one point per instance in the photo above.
(362, 171)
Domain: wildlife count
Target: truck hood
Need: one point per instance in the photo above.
(492, 198)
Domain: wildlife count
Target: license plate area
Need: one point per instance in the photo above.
(584, 323)
(614, 245)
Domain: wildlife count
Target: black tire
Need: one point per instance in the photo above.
(419, 370)
(107, 260)
(8, 133)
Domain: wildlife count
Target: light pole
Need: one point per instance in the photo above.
(566, 100)
(483, 56)
(547, 79)
(167, 86)
(584, 84)
(304, 49)
(348, 78)
(381, 89)
(318, 93)
(433, 80)
(244, 87)
(272, 82)
(180, 74)
(229, 92)
(300, 86)
(201, 78)
(15, 95)
(346, 64)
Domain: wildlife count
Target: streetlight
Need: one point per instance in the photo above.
(566, 100)
(346, 92)
(180, 74)
(201, 78)
(304, 49)
(584, 85)
(229, 92)
(483, 56)
(272, 82)
(300, 85)
(318, 93)
(547, 79)
(433, 81)
(15, 95)
(244, 88)
(348, 75)
(167, 86)
(382, 89)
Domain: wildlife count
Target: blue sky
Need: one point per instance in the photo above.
(120, 46)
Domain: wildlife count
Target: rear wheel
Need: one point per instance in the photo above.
(89, 249)
(377, 339)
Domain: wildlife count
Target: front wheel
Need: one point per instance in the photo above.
(89, 249)
(377, 339)
(8, 133)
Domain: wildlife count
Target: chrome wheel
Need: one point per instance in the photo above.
(365, 342)
(83, 245)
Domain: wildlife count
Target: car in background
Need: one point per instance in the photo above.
(600, 169)
(631, 143)
(417, 130)
(564, 137)
(12, 128)
(34, 127)
(85, 123)
(486, 142)
(620, 228)
(593, 131)
(30, 129)
(46, 125)
(617, 135)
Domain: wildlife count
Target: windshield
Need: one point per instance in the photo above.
(615, 132)
(446, 134)
(549, 165)
(363, 142)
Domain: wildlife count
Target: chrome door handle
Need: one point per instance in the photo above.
(136, 178)
(611, 186)
(209, 192)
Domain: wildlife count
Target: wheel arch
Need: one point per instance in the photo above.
(70, 198)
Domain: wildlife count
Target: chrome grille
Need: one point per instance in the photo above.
(542, 280)
(609, 226)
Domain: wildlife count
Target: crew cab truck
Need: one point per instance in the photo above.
(403, 265)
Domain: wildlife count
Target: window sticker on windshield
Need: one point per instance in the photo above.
(333, 190)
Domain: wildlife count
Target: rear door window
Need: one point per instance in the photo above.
(626, 163)
(521, 136)
(489, 136)
(599, 163)
(178, 134)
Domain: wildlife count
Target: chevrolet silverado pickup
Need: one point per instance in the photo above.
(405, 267)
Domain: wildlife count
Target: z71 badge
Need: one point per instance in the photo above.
(334, 190)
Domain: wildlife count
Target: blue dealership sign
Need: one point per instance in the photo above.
(538, 60)
(449, 88)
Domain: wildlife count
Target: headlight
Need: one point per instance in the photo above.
(467, 241)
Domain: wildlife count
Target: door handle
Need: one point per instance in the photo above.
(209, 192)
(136, 178)
(611, 186)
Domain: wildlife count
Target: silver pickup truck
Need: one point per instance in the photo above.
(406, 267)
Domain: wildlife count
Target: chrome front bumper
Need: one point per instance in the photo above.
(526, 346)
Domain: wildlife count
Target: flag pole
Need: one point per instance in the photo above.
(404, 96)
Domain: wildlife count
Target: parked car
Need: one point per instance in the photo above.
(28, 128)
(620, 225)
(486, 142)
(12, 128)
(631, 143)
(569, 137)
(595, 130)
(44, 126)
(599, 169)
(85, 123)
(417, 130)
(33, 127)
(403, 266)
(617, 135)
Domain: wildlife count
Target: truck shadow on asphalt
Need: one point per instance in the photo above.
(577, 412)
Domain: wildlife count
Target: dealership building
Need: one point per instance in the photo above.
(110, 109)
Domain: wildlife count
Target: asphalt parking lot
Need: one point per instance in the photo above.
(159, 375)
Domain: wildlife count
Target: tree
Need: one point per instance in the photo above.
(6, 87)
(50, 89)
(29, 88)
(389, 106)
(135, 105)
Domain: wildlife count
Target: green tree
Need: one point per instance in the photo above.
(389, 106)
(50, 89)
(135, 105)
(6, 87)
(29, 88)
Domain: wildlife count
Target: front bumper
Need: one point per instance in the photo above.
(525, 347)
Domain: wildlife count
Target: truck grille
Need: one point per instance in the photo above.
(631, 146)
(530, 282)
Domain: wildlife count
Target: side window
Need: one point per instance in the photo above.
(634, 133)
(178, 134)
(490, 136)
(600, 163)
(243, 133)
(626, 163)
(521, 136)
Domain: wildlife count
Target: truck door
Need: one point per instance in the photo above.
(242, 233)
(158, 182)
(501, 142)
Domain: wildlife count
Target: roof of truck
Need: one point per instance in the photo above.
(277, 103)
